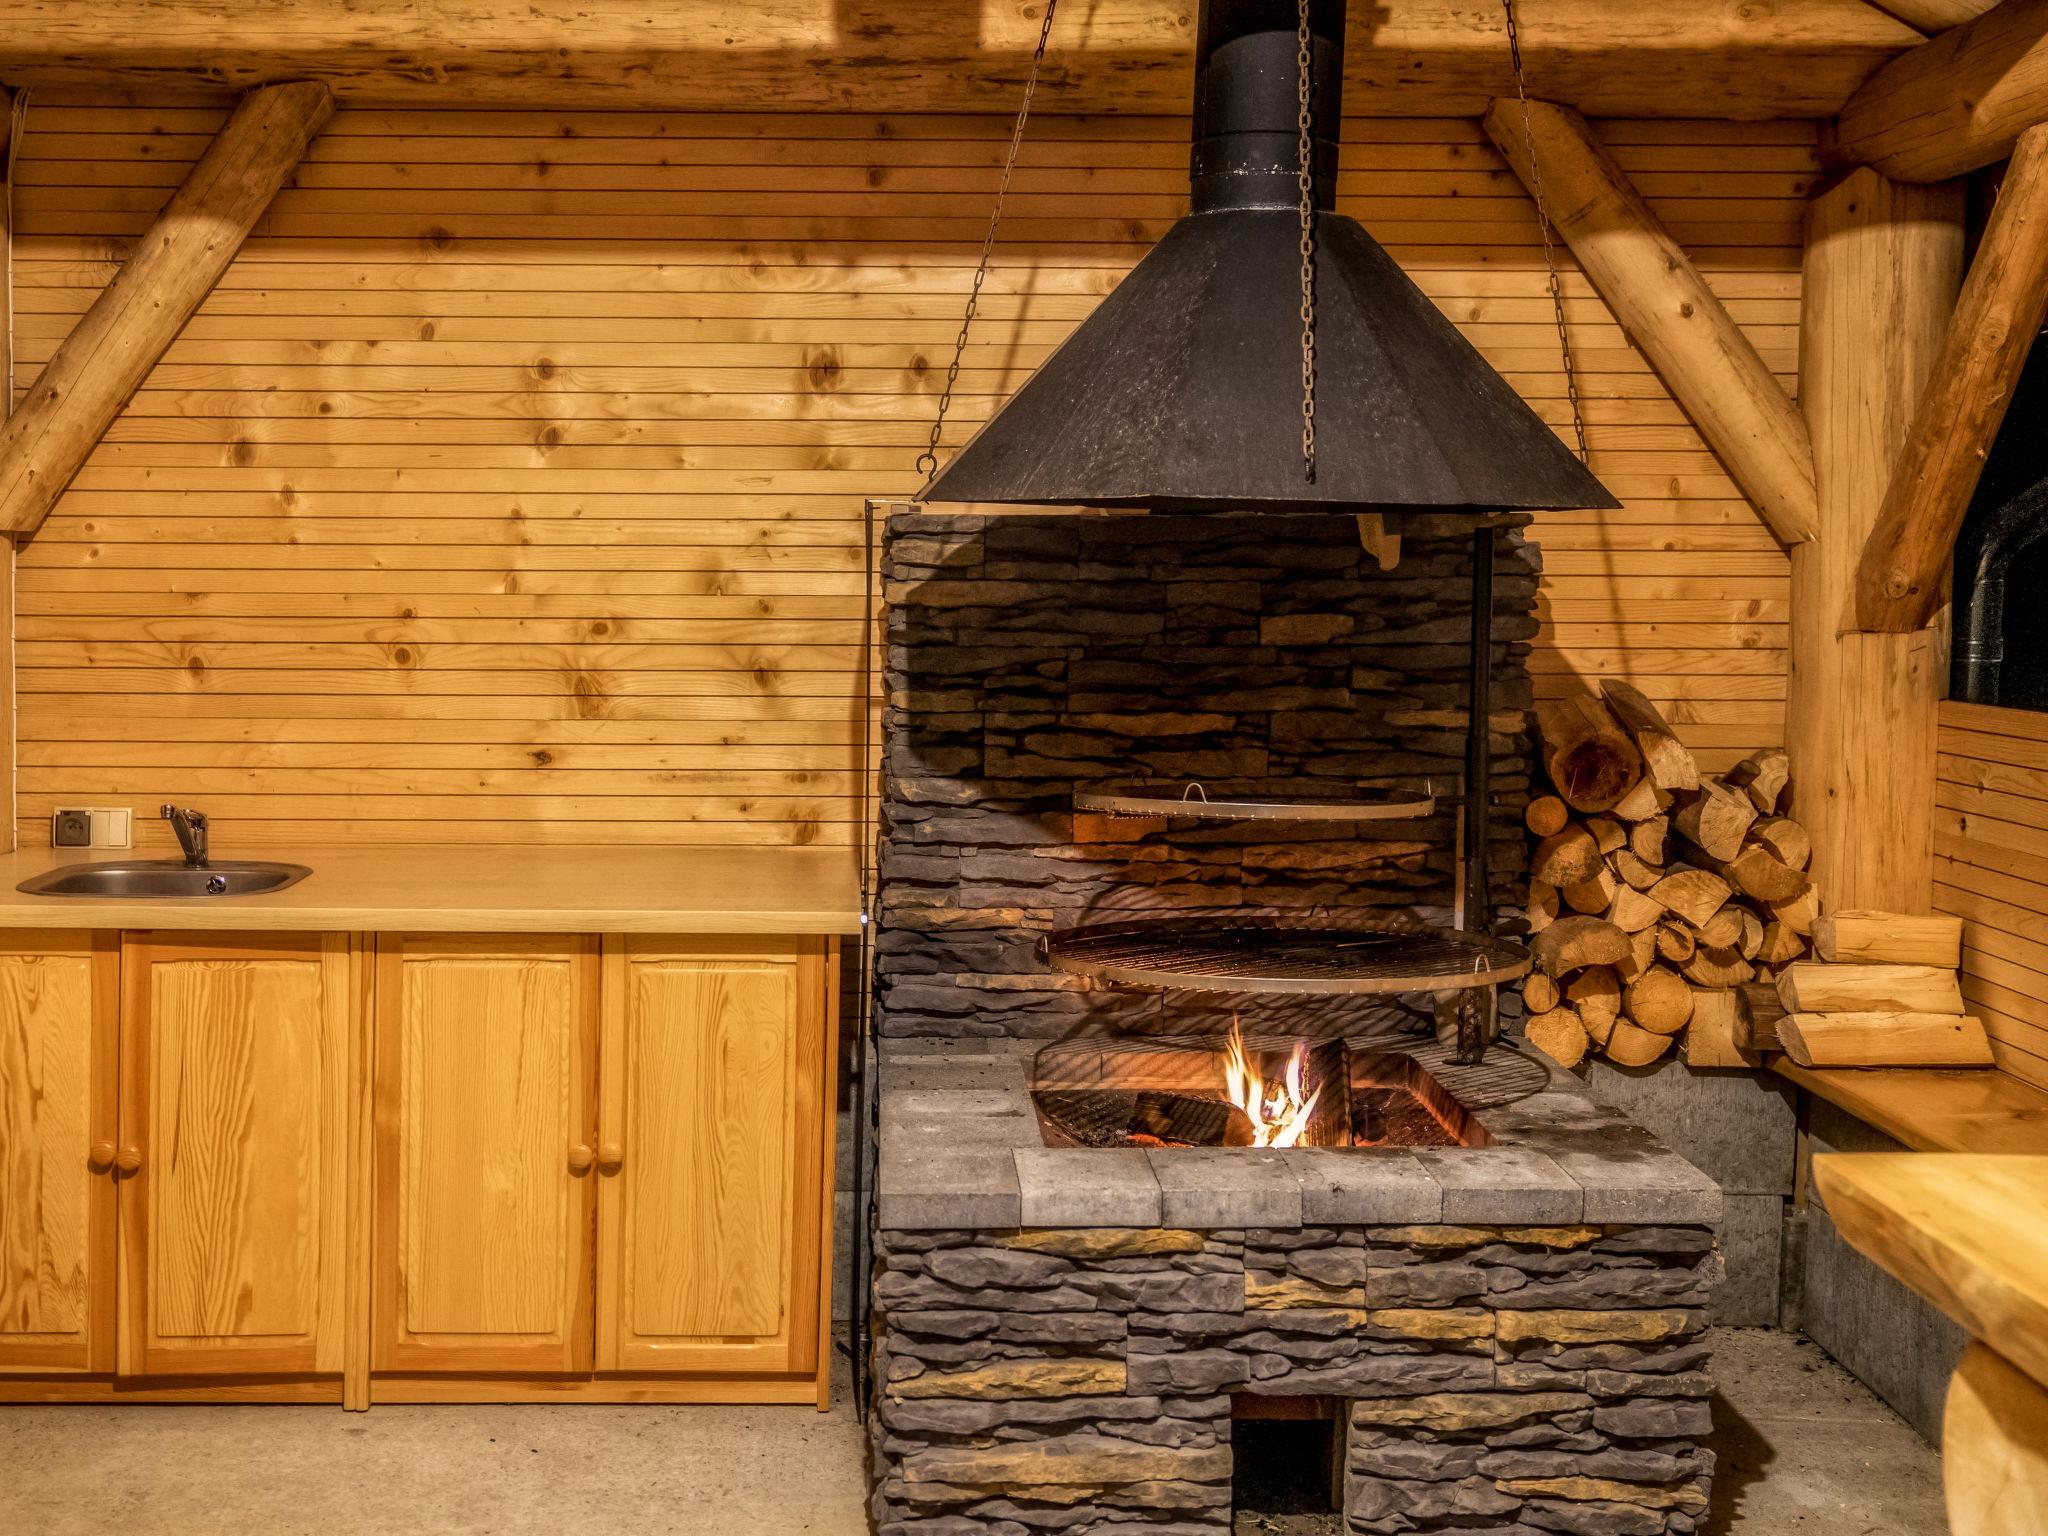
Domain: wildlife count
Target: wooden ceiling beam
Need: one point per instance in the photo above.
(1666, 308)
(1405, 58)
(172, 269)
(2003, 303)
(1932, 16)
(1954, 104)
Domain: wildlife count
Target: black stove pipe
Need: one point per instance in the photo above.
(1984, 554)
(1247, 135)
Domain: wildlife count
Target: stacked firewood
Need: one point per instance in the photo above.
(1655, 890)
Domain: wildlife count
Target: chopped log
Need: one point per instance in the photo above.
(1667, 763)
(1589, 758)
(1711, 967)
(1693, 894)
(1757, 1011)
(1800, 913)
(169, 272)
(1710, 1032)
(1659, 1001)
(1593, 991)
(1724, 929)
(1715, 821)
(1559, 1035)
(1812, 986)
(1789, 842)
(1567, 857)
(1541, 905)
(1676, 942)
(1648, 840)
(1752, 939)
(1632, 910)
(1546, 815)
(1761, 875)
(1642, 954)
(1539, 993)
(1781, 946)
(1594, 894)
(1890, 937)
(1608, 834)
(1884, 1040)
(1635, 874)
(1630, 1046)
(1573, 943)
(1600, 1027)
(1642, 802)
(1761, 777)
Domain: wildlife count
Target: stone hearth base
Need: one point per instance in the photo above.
(1511, 1335)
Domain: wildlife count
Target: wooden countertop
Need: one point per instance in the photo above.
(1970, 1234)
(363, 889)
(1975, 1110)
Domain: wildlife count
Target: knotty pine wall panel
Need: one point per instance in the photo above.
(509, 486)
(1991, 870)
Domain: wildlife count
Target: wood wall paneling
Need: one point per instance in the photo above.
(1991, 870)
(508, 485)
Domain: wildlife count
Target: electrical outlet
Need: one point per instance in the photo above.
(95, 826)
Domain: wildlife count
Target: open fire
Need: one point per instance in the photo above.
(1278, 1111)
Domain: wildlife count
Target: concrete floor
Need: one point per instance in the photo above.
(1804, 1451)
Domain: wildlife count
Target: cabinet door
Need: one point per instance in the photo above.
(234, 1139)
(59, 994)
(710, 1150)
(484, 1107)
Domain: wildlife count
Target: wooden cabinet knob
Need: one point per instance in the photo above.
(611, 1157)
(580, 1158)
(101, 1157)
(128, 1159)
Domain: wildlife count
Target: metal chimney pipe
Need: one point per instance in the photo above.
(1247, 142)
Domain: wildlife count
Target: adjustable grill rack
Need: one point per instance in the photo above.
(1278, 955)
(1194, 802)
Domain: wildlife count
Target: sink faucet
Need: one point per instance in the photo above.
(190, 825)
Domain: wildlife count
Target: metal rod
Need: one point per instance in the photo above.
(1478, 738)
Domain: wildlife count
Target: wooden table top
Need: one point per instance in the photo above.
(368, 889)
(1968, 1233)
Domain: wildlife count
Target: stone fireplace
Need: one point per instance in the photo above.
(1503, 1325)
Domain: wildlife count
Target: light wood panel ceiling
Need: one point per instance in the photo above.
(1407, 58)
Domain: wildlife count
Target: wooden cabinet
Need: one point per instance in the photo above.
(233, 1153)
(710, 1203)
(58, 1006)
(485, 1162)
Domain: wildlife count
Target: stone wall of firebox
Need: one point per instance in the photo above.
(1519, 1380)
(1031, 654)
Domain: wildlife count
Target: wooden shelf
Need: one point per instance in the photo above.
(1971, 1110)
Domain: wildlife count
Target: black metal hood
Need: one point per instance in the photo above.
(1183, 390)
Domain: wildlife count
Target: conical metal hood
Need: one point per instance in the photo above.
(1183, 390)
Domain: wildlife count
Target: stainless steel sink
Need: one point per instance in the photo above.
(144, 878)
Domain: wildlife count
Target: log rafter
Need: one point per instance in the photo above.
(2003, 304)
(1667, 309)
(171, 270)
(1407, 58)
(1954, 104)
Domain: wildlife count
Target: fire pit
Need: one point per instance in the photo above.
(1261, 1092)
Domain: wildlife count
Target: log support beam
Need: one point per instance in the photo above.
(1666, 308)
(1954, 104)
(172, 269)
(1883, 265)
(2005, 298)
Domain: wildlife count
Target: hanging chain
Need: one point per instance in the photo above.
(928, 461)
(1564, 341)
(1305, 176)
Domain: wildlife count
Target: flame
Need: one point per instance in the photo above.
(1278, 1111)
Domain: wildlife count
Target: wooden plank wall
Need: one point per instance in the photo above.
(1991, 870)
(509, 487)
